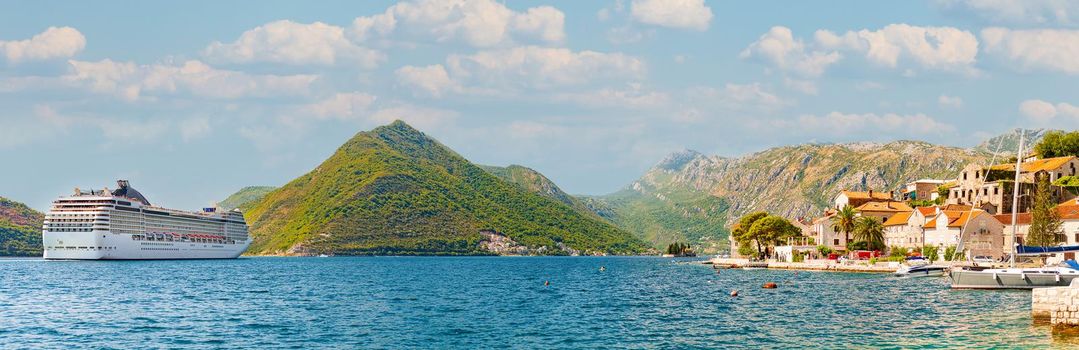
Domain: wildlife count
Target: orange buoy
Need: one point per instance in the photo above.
(770, 285)
(734, 293)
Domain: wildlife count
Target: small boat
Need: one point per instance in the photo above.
(925, 270)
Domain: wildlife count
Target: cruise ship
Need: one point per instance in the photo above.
(122, 224)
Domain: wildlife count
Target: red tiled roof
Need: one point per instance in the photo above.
(1021, 219)
(885, 206)
(898, 219)
(956, 218)
(1036, 165)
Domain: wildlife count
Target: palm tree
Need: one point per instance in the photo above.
(869, 230)
(844, 222)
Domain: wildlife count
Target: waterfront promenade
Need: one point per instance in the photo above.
(810, 265)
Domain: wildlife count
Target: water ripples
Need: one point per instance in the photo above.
(476, 302)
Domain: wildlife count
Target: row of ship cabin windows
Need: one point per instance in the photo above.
(69, 229)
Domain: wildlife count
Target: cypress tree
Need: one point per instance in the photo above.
(1045, 225)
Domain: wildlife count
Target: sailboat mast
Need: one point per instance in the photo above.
(1015, 200)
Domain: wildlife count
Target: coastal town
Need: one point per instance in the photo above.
(961, 219)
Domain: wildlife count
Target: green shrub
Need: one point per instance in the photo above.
(950, 253)
(932, 253)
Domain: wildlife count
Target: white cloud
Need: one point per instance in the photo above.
(532, 67)
(894, 46)
(1030, 12)
(863, 126)
(131, 81)
(294, 43)
(930, 47)
(341, 106)
(479, 23)
(634, 96)
(1042, 113)
(779, 48)
(1046, 49)
(432, 80)
(682, 14)
(950, 101)
(737, 97)
(53, 43)
(114, 130)
(804, 86)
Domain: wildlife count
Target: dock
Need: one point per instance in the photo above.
(1059, 306)
(812, 265)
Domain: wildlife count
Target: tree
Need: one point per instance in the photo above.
(824, 250)
(1070, 183)
(1058, 144)
(741, 233)
(772, 230)
(844, 221)
(870, 230)
(1045, 225)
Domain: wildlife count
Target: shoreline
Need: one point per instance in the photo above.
(812, 265)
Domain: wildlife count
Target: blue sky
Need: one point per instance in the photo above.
(195, 101)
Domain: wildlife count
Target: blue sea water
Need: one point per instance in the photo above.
(491, 302)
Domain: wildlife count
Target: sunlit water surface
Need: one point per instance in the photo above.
(483, 302)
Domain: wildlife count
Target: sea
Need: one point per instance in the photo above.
(492, 302)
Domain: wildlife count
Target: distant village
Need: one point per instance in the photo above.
(934, 214)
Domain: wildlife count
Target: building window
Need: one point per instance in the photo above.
(1077, 237)
(835, 241)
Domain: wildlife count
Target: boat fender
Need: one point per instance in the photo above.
(770, 285)
(1058, 277)
(1023, 276)
(995, 277)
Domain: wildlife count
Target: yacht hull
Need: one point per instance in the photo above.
(1009, 279)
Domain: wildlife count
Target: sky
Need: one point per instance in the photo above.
(192, 102)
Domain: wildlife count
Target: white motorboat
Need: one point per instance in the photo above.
(925, 270)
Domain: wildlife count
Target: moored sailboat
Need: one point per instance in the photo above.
(1013, 277)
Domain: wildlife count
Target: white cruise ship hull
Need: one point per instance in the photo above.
(122, 225)
(103, 245)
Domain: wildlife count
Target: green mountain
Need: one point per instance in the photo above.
(661, 210)
(245, 197)
(20, 229)
(533, 181)
(394, 190)
(693, 197)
